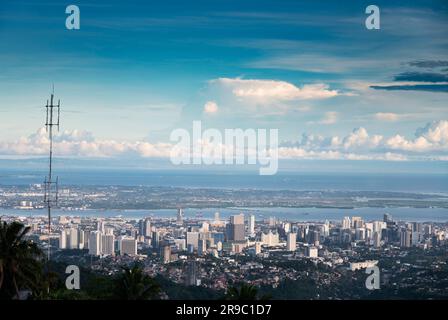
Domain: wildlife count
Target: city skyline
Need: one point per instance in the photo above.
(207, 254)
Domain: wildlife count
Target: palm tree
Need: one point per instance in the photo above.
(134, 284)
(20, 260)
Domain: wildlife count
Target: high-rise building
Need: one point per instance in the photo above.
(108, 230)
(251, 227)
(155, 240)
(128, 246)
(357, 222)
(346, 223)
(291, 242)
(205, 227)
(235, 229)
(72, 238)
(180, 216)
(360, 234)
(100, 225)
(257, 247)
(144, 227)
(191, 278)
(95, 243)
(377, 239)
(166, 254)
(202, 246)
(405, 238)
(63, 240)
(81, 239)
(237, 219)
(193, 239)
(270, 239)
(108, 244)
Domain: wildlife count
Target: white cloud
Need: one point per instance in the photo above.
(359, 138)
(433, 137)
(210, 107)
(430, 143)
(435, 132)
(274, 90)
(81, 143)
(386, 116)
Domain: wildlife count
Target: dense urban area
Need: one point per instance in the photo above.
(201, 258)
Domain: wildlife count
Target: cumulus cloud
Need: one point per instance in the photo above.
(359, 138)
(433, 137)
(81, 143)
(210, 107)
(430, 143)
(268, 90)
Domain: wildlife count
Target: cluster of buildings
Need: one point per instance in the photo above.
(240, 234)
(216, 242)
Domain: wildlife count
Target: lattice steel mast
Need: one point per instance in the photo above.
(50, 185)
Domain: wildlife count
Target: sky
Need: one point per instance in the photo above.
(137, 70)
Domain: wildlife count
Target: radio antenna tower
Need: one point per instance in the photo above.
(51, 184)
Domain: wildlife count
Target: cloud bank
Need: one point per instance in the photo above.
(430, 143)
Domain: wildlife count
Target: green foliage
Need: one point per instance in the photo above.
(134, 284)
(20, 261)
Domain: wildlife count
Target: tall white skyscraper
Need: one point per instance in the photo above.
(100, 225)
(72, 238)
(357, 222)
(180, 216)
(377, 239)
(346, 223)
(63, 240)
(128, 245)
(251, 225)
(270, 239)
(202, 246)
(291, 242)
(108, 244)
(95, 243)
(205, 227)
(81, 239)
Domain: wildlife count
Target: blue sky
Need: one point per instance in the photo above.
(136, 70)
